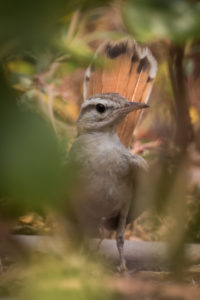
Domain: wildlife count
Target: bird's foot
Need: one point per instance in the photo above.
(122, 268)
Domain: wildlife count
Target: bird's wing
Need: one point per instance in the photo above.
(139, 168)
(140, 171)
(139, 164)
(129, 70)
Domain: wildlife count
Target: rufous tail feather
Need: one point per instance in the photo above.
(130, 71)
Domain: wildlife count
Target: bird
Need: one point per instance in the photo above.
(108, 171)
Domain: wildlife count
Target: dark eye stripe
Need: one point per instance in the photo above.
(88, 108)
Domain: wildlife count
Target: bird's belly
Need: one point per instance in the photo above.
(104, 199)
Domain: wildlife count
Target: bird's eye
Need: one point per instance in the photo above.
(100, 108)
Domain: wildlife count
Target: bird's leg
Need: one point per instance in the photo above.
(101, 232)
(120, 238)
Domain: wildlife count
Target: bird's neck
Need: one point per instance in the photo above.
(102, 136)
(107, 131)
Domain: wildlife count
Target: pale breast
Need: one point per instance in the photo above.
(106, 172)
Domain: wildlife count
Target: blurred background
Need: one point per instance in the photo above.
(45, 49)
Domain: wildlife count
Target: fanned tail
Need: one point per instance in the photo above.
(130, 71)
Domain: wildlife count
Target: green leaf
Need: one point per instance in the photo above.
(177, 20)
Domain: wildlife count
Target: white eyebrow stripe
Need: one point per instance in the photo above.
(106, 102)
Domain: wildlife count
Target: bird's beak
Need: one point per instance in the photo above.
(136, 105)
(131, 106)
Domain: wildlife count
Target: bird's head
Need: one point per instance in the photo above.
(105, 111)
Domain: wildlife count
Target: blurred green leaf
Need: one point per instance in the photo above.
(177, 20)
(30, 158)
(27, 25)
(32, 37)
(72, 276)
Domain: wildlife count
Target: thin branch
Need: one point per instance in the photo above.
(72, 26)
(184, 133)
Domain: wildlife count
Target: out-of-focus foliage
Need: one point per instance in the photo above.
(73, 277)
(32, 36)
(29, 25)
(177, 20)
(71, 274)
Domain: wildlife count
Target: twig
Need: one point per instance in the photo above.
(184, 133)
(72, 26)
